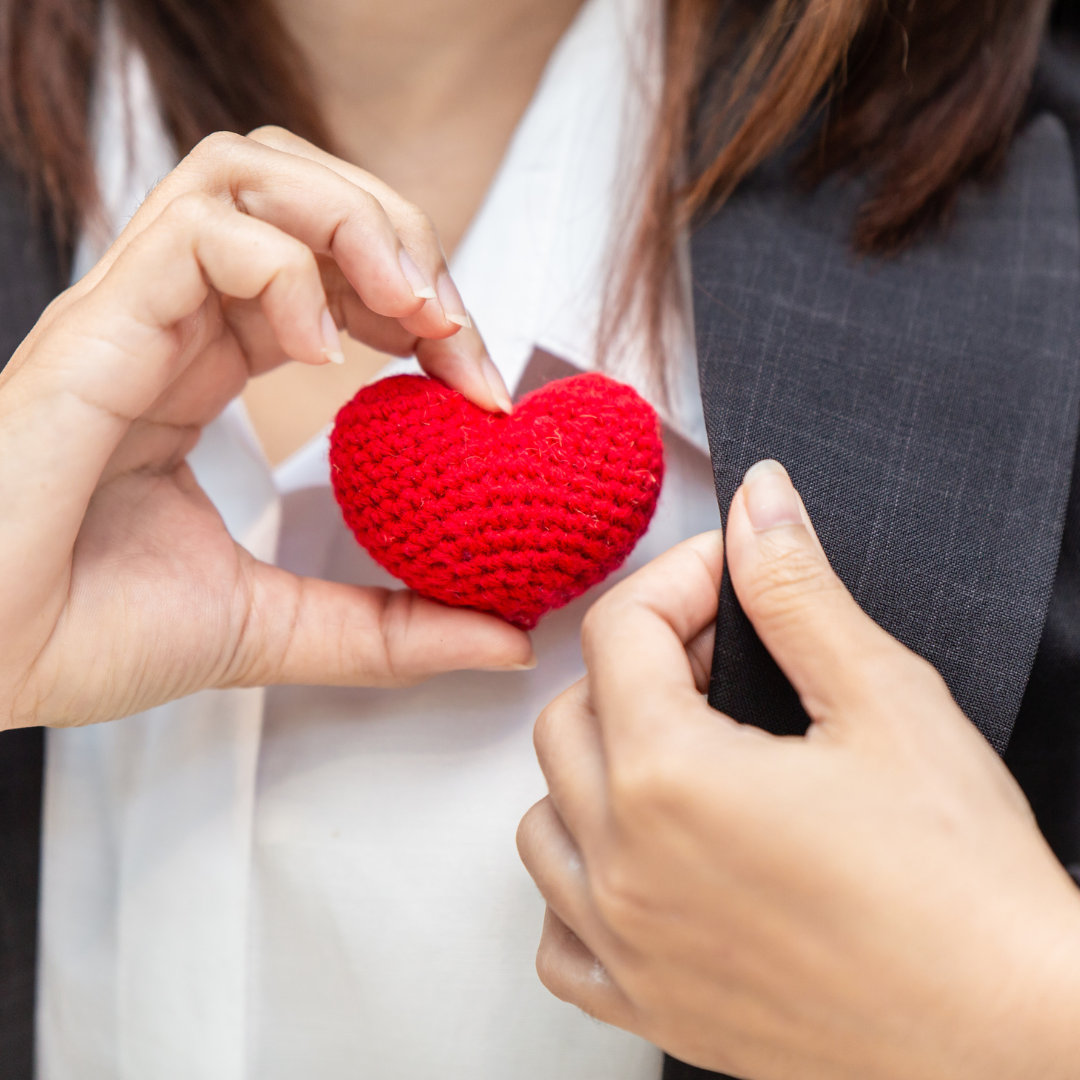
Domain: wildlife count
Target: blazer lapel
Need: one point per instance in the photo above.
(926, 407)
(30, 275)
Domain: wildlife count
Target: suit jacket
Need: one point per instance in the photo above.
(927, 408)
(30, 276)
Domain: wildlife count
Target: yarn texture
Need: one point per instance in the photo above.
(514, 515)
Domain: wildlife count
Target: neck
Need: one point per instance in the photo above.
(426, 82)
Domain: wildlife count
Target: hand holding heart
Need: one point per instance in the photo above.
(870, 902)
(122, 588)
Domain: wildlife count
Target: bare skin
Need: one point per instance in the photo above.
(871, 902)
(124, 589)
(434, 131)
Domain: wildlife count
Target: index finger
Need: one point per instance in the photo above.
(635, 639)
(460, 359)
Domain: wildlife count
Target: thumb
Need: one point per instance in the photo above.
(308, 631)
(833, 653)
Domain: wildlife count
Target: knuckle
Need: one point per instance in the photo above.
(272, 135)
(925, 677)
(546, 728)
(638, 982)
(57, 306)
(419, 226)
(786, 577)
(592, 627)
(361, 204)
(290, 281)
(189, 209)
(542, 731)
(213, 164)
(618, 897)
(599, 618)
(527, 831)
(795, 565)
(890, 669)
(887, 681)
(215, 147)
(298, 260)
(906, 685)
(361, 219)
(368, 202)
(396, 625)
(647, 786)
(549, 967)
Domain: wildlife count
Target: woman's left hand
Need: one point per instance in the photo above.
(870, 901)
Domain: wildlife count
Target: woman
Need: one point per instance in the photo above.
(216, 869)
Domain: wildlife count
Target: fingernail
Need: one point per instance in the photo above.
(452, 304)
(422, 289)
(499, 393)
(331, 339)
(770, 497)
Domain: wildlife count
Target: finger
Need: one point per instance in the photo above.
(424, 263)
(414, 227)
(461, 361)
(260, 346)
(302, 630)
(832, 652)
(303, 198)
(571, 756)
(635, 642)
(338, 211)
(109, 357)
(332, 216)
(166, 273)
(574, 975)
(699, 650)
(380, 332)
(203, 242)
(554, 863)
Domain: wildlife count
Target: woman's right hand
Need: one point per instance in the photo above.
(121, 587)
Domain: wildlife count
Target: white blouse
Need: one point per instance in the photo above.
(314, 882)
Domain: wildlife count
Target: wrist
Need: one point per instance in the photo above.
(1026, 1027)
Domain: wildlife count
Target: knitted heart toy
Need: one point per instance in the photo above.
(514, 515)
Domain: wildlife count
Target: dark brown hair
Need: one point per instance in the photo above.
(919, 95)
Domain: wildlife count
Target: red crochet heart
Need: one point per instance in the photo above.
(510, 514)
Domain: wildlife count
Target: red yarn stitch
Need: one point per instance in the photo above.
(514, 515)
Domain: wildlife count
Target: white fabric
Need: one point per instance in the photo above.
(322, 882)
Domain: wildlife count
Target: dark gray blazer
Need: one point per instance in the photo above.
(927, 409)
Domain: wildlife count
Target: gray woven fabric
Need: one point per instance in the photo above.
(925, 406)
(29, 278)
